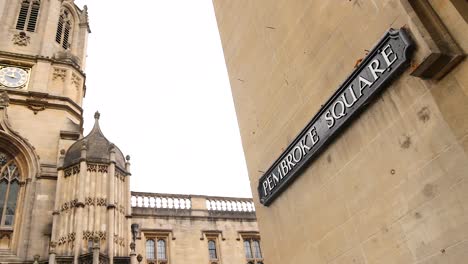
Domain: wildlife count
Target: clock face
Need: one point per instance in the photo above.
(13, 77)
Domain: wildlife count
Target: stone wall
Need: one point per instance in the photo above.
(391, 188)
(189, 227)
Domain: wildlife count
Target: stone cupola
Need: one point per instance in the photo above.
(92, 202)
(97, 148)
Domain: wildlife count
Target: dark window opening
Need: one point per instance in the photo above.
(28, 15)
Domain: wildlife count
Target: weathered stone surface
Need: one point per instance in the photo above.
(388, 189)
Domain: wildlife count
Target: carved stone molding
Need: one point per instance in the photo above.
(69, 205)
(94, 235)
(4, 100)
(59, 73)
(90, 201)
(103, 168)
(101, 201)
(37, 101)
(119, 240)
(211, 233)
(21, 39)
(71, 171)
(68, 238)
(76, 80)
(95, 201)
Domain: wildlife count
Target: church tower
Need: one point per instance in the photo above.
(61, 194)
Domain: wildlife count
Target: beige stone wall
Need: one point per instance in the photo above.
(187, 231)
(392, 188)
(187, 247)
(53, 69)
(45, 115)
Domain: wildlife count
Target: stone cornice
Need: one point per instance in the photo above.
(192, 215)
(37, 101)
(36, 58)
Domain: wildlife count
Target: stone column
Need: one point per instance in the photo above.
(111, 206)
(80, 203)
(56, 212)
(96, 242)
(50, 26)
(128, 205)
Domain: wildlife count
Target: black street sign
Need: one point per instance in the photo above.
(383, 63)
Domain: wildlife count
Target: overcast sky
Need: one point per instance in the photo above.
(156, 72)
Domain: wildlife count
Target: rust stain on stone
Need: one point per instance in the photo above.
(405, 142)
(424, 114)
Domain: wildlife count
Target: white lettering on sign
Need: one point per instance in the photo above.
(292, 158)
(387, 59)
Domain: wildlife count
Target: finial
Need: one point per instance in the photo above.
(84, 17)
(97, 115)
(112, 147)
(127, 158)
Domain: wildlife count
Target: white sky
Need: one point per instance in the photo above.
(156, 72)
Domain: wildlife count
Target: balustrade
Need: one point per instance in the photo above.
(161, 201)
(184, 202)
(229, 204)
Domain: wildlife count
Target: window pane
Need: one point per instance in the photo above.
(150, 249)
(3, 188)
(248, 251)
(161, 249)
(11, 204)
(212, 249)
(256, 248)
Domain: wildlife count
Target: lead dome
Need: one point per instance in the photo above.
(97, 148)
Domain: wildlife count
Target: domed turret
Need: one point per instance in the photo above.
(92, 199)
(97, 146)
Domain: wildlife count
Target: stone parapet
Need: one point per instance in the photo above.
(191, 206)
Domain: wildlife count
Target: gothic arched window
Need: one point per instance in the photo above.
(162, 249)
(150, 249)
(28, 15)
(9, 189)
(248, 250)
(64, 29)
(156, 249)
(256, 249)
(253, 253)
(212, 250)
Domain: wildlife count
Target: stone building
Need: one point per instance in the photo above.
(65, 197)
(388, 185)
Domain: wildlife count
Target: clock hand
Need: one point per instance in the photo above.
(12, 75)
